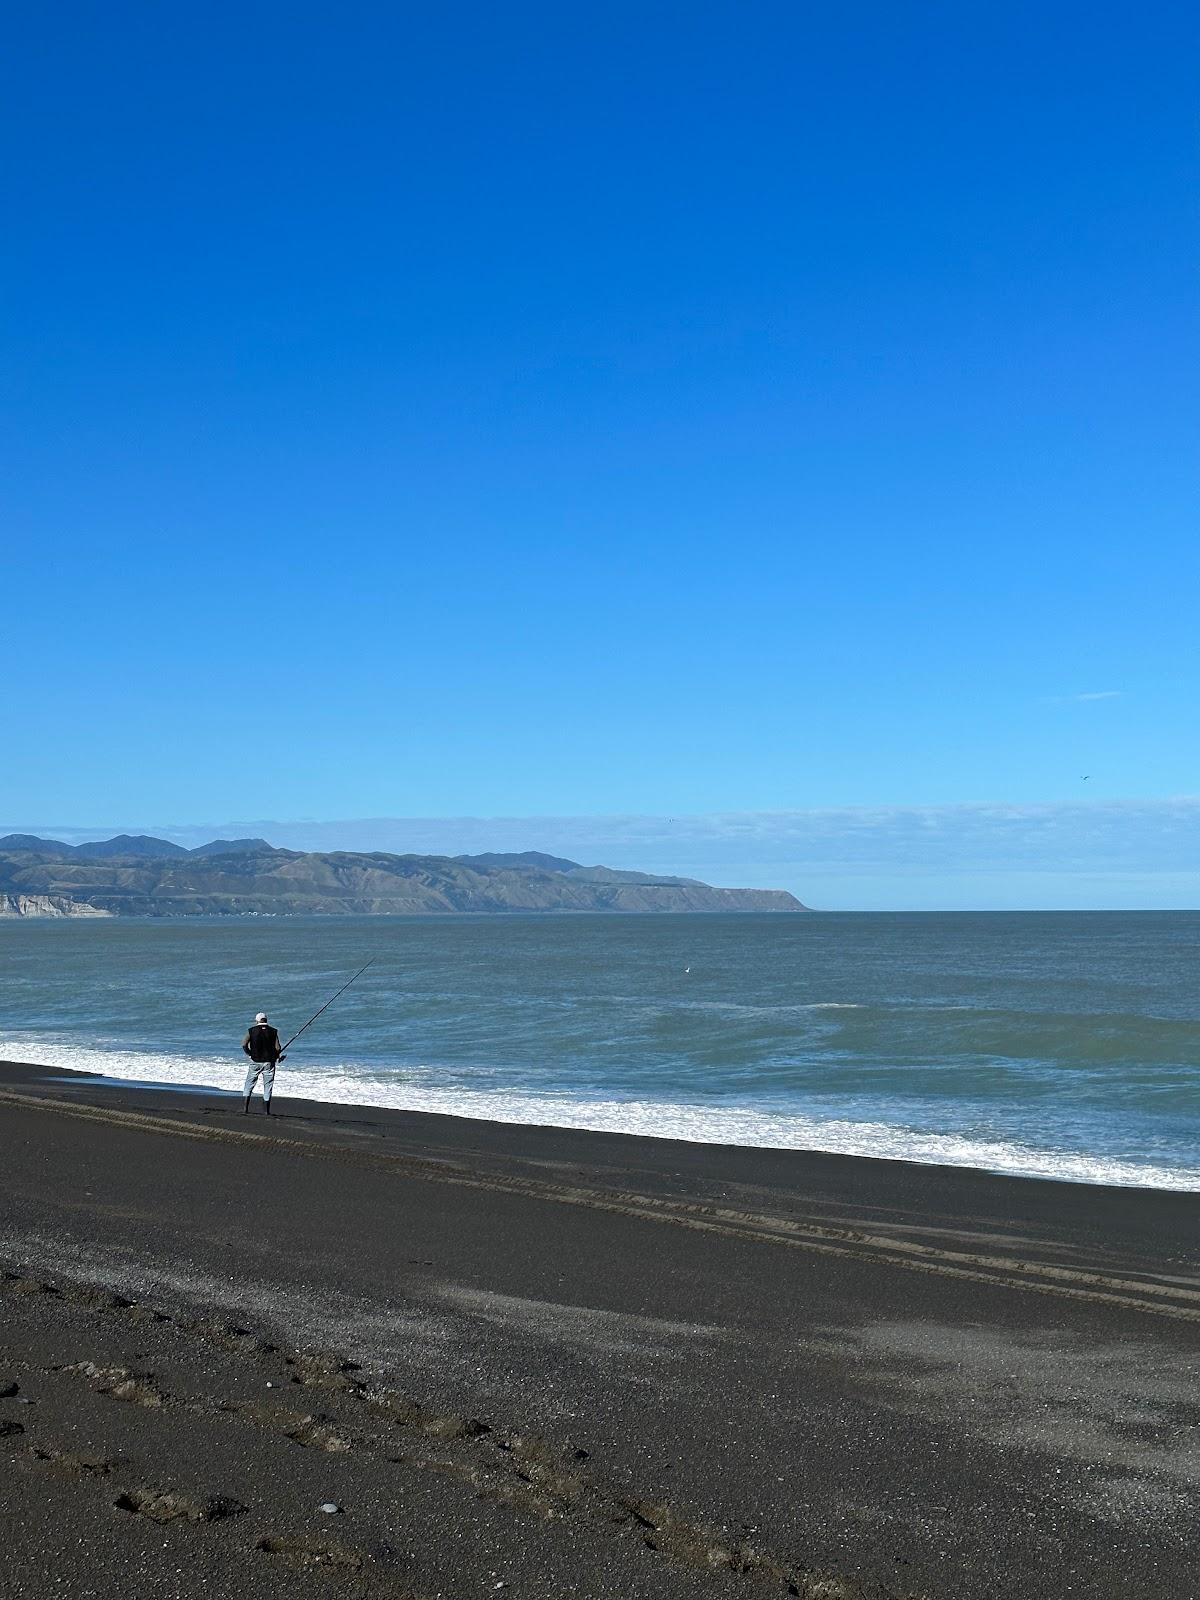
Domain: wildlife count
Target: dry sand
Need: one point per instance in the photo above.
(540, 1363)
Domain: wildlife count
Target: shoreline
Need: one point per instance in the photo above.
(1023, 1163)
(899, 1183)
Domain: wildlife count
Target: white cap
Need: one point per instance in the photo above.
(261, 1017)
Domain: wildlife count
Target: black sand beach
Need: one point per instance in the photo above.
(543, 1363)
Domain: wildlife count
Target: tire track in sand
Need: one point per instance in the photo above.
(1169, 1300)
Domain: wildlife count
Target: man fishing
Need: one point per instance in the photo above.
(262, 1045)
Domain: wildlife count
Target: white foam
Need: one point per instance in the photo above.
(702, 1124)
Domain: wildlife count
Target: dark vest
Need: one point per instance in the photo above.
(264, 1042)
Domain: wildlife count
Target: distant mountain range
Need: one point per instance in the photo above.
(136, 875)
(125, 845)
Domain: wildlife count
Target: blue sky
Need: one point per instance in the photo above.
(543, 412)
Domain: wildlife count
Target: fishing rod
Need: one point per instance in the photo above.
(325, 1007)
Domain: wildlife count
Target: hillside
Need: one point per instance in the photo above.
(146, 877)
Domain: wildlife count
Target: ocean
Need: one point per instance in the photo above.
(1057, 1045)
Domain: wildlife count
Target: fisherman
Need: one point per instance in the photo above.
(261, 1044)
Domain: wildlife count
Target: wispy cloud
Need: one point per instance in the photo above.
(1087, 697)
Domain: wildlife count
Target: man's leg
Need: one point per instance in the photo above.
(252, 1072)
(268, 1073)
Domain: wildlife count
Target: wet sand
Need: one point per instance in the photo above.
(541, 1362)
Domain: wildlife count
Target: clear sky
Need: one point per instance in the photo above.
(574, 411)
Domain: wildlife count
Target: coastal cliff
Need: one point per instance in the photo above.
(147, 877)
(47, 905)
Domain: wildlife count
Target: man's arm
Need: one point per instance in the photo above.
(246, 1042)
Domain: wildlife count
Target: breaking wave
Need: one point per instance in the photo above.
(721, 1123)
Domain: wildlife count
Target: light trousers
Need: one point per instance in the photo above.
(267, 1070)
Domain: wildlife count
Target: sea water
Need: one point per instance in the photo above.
(1061, 1045)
